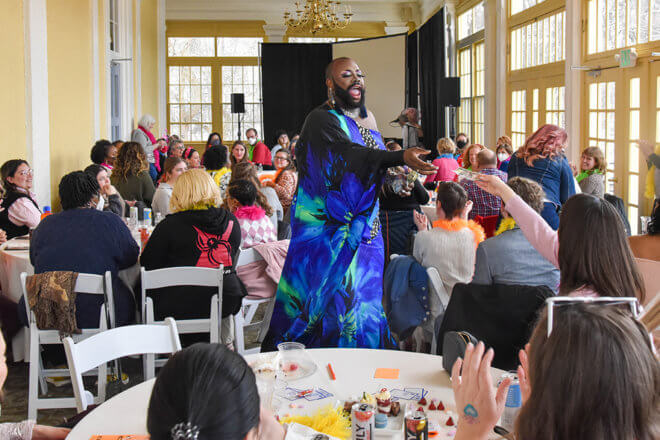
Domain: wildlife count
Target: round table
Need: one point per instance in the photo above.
(14, 259)
(354, 368)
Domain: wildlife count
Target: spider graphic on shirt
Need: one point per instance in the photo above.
(215, 249)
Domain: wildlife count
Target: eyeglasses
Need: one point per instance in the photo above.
(281, 158)
(557, 301)
(25, 173)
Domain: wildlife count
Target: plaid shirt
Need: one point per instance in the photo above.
(483, 203)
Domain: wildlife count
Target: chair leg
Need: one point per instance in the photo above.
(265, 323)
(239, 321)
(34, 373)
(43, 385)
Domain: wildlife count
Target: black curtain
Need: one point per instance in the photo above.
(432, 70)
(412, 74)
(293, 84)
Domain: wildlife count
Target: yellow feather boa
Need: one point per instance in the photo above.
(506, 224)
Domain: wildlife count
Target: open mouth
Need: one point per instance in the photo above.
(355, 92)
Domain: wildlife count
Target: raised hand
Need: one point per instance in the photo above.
(412, 159)
(421, 221)
(478, 405)
(523, 375)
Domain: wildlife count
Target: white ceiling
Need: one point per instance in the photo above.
(390, 11)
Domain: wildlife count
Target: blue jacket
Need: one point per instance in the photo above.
(406, 295)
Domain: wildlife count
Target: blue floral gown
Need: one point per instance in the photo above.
(330, 293)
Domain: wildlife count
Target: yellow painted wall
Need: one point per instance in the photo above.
(69, 88)
(149, 60)
(12, 78)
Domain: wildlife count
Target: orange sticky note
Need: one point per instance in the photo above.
(386, 373)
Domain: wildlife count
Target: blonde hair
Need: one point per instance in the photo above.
(194, 189)
(446, 146)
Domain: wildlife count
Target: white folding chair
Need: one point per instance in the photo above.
(244, 319)
(85, 283)
(109, 345)
(184, 276)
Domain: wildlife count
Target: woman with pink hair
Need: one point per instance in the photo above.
(542, 159)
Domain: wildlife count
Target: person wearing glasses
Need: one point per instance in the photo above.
(285, 180)
(19, 211)
(590, 248)
(563, 395)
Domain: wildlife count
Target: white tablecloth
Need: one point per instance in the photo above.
(354, 369)
(12, 263)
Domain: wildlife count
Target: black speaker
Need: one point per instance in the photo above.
(450, 92)
(237, 103)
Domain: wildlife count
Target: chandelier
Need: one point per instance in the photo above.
(318, 16)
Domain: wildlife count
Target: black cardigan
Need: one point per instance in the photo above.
(202, 238)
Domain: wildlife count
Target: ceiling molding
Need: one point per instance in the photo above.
(272, 11)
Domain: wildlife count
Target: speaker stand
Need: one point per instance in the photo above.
(238, 136)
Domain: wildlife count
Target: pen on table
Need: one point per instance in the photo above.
(331, 372)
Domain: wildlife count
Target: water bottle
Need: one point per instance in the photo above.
(513, 401)
(133, 218)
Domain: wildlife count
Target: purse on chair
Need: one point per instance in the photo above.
(453, 347)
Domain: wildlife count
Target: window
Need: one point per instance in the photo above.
(113, 25)
(471, 21)
(535, 110)
(539, 42)
(554, 106)
(621, 23)
(319, 39)
(633, 156)
(190, 47)
(190, 112)
(465, 73)
(479, 92)
(518, 122)
(238, 47)
(246, 80)
(601, 125)
(521, 5)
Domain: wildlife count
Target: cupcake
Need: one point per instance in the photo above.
(383, 401)
(368, 398)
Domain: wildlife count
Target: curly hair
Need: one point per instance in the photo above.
(528, 190)
(504, 142)
(598, 156)
(547, 142)
(131, 161)
(215, 158)
(100, 151)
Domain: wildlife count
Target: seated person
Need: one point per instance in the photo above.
(199, 234)
(450, 246)
(593, 167)
(19, 211)
(648, 246)
(27, 430)
(187, 395)
(131, 174)
(256, 227)
(104, 153)
(215, 161)
(508, 258)
(285, 181)
(504, 150)
(110, 200)
(597, 403)
(83, 239)
(445, 162)
(258, 152)
(172, 169)
(484, 204)
(266, 196)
